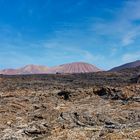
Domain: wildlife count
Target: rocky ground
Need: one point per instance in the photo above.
(96, 106)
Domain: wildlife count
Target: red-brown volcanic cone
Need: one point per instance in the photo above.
(76, 67)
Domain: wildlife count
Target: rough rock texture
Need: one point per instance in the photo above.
(95, 106)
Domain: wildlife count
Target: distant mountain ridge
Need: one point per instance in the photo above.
(75, 67)
(69, 68)
(127, 65)
(28, 69)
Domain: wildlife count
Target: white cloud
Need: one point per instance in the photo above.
(131, 10)
(122, 28)
(129, 38)
(129, 57)
(74, 44)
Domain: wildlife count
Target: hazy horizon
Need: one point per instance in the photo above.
(52, 32)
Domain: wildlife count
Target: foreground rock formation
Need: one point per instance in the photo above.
(95, 106)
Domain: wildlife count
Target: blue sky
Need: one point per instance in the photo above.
(105, 33)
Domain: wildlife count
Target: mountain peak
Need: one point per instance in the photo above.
(74, 67)
(127, 65)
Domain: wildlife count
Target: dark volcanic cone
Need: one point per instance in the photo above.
(127, 65)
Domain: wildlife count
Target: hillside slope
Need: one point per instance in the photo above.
(127, 65)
